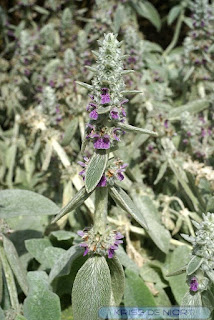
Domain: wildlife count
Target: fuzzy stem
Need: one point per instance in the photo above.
(176, 34)
(101, 205)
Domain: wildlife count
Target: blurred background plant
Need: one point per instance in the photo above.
(46, 46)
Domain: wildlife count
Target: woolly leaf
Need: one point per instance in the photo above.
(63, 265)
(125, 202)
(41, 303)
(23, 202)
(130, 128)
(157, 232)
(173, 14)
(194, 264)
(192, 107)
(95, 170)
(178, 259)
(15, 264)
(75, 202)
(137, 293)
(91, 289)
(117, 280)
(70, 131)
(148, 11)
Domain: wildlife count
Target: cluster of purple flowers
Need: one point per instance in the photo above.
(103, 244)
(113, 172)
(104, 137)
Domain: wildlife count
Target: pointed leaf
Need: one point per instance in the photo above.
(192, 300)
(16, 264)
(91, 289)
(11, 286)
(177, 272)
(125, 202)
(148, 11)
(137, 293)
(126, 261)
(36, 247)
(178, 258)
(173, 14)
(2, 317)
(64, 264)
(157, 232)
(70, 131)
(95, 170)
(161, 172)
(192, 107)
(23, 202)
(130, 128)
(117, 280)
(194, 264)
(75, 202)
(1, 283)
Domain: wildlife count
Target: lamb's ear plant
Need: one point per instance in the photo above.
(100, 280)
(200, 268)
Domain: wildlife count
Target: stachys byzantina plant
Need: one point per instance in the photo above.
(200, 269)
(100, 280)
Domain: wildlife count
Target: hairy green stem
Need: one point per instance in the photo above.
(176, 34)
(101, 205)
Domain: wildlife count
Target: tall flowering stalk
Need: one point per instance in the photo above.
(198, 58)
(200, 269)
(104, 131)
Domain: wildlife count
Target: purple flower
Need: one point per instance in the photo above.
(120, 171)
(51, 83)
(110, 253)
(185, 141)
(116, 133)
(84, 165)
(203, 132)
(101, 142)
(114, 113)
(189, 134)
(103, 182)
(194, 284)
(57, 110)
(85, 245)
(59, 118)
(132, 60)
(93, 114)
(27, 72)
(150, 147)
(80, 233)
(124, 101)
(114, 246)
(166, 124)
(105, 97)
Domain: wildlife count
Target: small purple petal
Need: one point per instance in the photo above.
(120, 176)
(110, 253)
(166, 124)
(119, 236)
(80, 233)
(105, 97)
(103, 182)
(82, 164)
(102, 142)
(114, 113)
(194, 284)
(93, 115)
